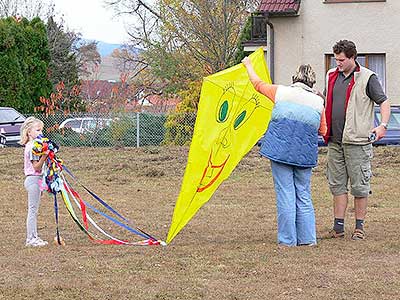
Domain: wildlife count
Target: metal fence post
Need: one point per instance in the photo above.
(137, 130)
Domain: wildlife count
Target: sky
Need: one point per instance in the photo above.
(92, 20)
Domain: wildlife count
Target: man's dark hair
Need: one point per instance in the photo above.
(347, 47)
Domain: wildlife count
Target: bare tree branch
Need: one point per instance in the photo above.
(27, 8)
(184, 40)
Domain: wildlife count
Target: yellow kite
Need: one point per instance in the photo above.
(231, 118)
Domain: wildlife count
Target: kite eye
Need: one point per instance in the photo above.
(239, 119)
(223, 111)
(225, 104)
(246, 110)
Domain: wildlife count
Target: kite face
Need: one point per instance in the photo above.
(232, 114)
(231, 118)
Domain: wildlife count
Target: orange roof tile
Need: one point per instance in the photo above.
(279, 7)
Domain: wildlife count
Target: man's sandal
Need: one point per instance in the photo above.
(358, 234)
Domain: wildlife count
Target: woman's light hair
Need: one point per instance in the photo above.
(28, 124)
(305, 74)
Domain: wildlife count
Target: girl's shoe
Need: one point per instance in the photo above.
(62, 242)
(36, 242)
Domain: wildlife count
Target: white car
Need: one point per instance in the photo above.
(85, 125)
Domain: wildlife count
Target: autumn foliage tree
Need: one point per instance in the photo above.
(70, 57)
(180, 124)
(62, 100)
(181, 42)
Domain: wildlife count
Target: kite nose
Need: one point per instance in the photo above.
(225, 137)
(225, 142)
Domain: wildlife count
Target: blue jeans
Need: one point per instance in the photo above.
(295, 211)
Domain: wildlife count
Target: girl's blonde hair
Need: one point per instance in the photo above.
(28, 124)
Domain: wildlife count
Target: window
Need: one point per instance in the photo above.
(350, 1)
(73, 124)
(374, 62)
(10, 115)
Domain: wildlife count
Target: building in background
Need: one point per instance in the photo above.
(295, 32)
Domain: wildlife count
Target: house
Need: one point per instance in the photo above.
(108, 94)
(295, 32)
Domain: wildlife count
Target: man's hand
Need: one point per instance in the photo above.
(380, 132)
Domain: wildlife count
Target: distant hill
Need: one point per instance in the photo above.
(109, 65)
(106, 49)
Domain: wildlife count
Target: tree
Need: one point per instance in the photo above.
(64, 64)
(180, 124)
(183, 41)
(27, 8)
(70, 55)
(88, 58)
(70, 58)
(24, 60)
(61, 101)
(244, 36)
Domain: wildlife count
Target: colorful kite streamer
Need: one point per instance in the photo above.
(55, 182)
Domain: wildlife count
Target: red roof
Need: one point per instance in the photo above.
(279, 7)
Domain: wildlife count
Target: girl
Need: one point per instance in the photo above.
(30, 130)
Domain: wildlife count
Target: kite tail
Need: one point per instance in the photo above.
(85, 216)
(58, 238)
(108, 207)
(55, 182)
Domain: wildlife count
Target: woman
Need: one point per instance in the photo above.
(291, 144)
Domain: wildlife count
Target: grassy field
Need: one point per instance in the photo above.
(227, 251)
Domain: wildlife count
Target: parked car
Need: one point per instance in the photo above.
(2, 140)
(392, 136)
(10, 125)
(85, 125)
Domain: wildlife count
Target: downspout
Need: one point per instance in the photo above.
(271, 50)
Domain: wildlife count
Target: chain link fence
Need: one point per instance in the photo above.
(135, 129)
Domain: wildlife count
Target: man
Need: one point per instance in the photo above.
(351, 93)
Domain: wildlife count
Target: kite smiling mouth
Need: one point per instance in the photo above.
(213, 179)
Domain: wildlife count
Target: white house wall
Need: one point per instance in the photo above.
(373, 26)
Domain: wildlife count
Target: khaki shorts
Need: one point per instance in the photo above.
(349, 162)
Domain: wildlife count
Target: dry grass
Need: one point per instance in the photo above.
(228, 251)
